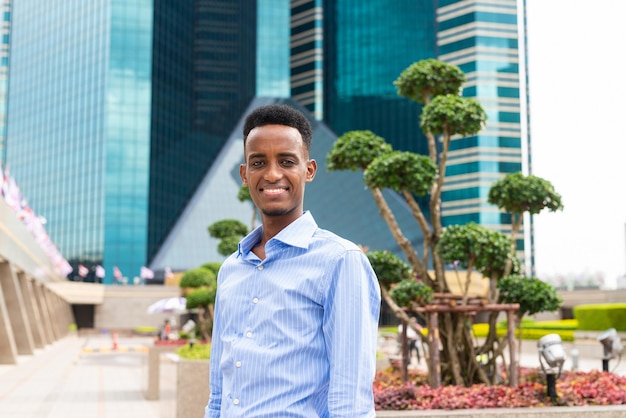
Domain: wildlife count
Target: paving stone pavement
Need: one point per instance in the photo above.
(83, 376)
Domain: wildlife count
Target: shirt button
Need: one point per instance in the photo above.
(236, 401)
(238, 364)
(249, 334)
(260, 267)
(255, 300)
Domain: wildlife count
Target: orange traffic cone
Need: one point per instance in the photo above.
(115, 340)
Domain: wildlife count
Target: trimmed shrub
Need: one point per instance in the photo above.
(195, 352)
(598, 317)
(532, 330)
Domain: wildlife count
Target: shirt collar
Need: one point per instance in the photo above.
(296, 234)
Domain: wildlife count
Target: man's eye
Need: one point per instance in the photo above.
(288, 162)
(256, 163)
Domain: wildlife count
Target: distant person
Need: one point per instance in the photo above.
(166, 329)
(296, 311)
(413, 337)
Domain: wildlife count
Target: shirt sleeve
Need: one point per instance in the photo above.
(351, 313)
(215, 379)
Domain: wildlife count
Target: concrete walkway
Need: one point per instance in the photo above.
(82, 376)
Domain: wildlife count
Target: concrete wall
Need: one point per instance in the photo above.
(125, 307)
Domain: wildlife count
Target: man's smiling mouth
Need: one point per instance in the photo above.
(274, 190)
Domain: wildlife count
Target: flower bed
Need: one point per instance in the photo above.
(573, 389)
(174, 343)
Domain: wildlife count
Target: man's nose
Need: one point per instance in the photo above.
(273, 172)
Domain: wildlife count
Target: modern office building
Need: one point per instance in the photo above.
(123, 116)
(5, 31)
(345, 55)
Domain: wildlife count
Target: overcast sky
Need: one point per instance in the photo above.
(577, 70)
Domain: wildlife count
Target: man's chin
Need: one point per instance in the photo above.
(274, 212)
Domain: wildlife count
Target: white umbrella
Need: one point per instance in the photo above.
(168, 305)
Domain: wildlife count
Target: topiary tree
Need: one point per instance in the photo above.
(214, 266)
(400, 290)
(517, 194)
(229, 232)
(244, 196)
(445, 114)
(203, 282)
(475, 247)
(532, 294)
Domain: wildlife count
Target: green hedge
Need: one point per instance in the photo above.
(532, 330)
(599, 317)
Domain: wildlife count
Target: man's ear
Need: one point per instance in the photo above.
(311, 170)
(242, 174)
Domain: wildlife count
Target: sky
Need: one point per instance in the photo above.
(577, 85)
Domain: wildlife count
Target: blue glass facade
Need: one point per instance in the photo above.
(347, 53)
(482, 39)
(56, 146)
(120, 109)
(5, 33)
(127, 135)
(273, 48)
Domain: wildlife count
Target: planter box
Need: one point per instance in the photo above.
(192, 388)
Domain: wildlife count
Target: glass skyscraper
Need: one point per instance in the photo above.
(118, 108)
(482, 39)
(345, 55)
(120, 112)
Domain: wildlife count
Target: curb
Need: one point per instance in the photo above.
(616, 411)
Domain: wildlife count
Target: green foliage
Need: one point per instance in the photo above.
(401, 171)
(146, 330)
(532, 294)
(244, 194)
(227, 228)
(197, 277)
(516, 193)
(228, 245)
(487, 250)
(388, 267)
(599, 317)
(195, 352)
(410, 290)
(355, 150)
(214, 266)
(451, 114)
(201, 297)
(428, 78)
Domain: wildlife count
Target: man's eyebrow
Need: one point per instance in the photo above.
(288, 154)
(281, 154)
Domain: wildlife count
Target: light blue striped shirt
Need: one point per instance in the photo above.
(295, 334)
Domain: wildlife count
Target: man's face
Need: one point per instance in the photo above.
(276, 170)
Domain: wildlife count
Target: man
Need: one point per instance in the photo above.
(296, 312)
